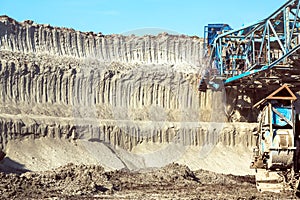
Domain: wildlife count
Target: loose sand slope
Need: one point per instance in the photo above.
(48, 153)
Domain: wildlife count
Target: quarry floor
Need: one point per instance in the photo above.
(49, 168)
(173, 181)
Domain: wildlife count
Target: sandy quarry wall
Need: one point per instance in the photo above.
(28, 37)
(122, 91)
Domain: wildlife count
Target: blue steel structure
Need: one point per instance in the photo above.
(252, 61)
(260, 54)
(212, 31)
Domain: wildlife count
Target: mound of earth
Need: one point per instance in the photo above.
(173, 181)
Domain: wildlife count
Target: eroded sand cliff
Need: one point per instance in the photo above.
(121, 101)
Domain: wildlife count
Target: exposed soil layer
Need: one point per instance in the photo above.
(124, 102)
(173, 181)
(118, 101)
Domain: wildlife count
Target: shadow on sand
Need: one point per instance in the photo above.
(8, 165)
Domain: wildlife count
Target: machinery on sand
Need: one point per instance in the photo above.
(274, 156)
(263, 61)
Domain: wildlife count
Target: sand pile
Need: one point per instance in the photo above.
(223, 152)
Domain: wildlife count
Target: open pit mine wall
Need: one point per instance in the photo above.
(28, 37)
(57, 82)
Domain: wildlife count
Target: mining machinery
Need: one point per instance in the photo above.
(274, 156)
(263, 60)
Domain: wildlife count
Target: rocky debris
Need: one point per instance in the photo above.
(208, 177)
(173, 181)
(166, 178)
(69, 180)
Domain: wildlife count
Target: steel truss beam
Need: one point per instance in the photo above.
(272, 43)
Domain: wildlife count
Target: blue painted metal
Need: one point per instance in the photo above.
(284, 111)
(211, 31)
(258, 47)
(245, 74)
(263, 68)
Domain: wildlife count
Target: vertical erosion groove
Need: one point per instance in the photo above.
(60, 79)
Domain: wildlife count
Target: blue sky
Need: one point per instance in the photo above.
(119, 16)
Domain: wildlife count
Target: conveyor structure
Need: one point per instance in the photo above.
(263, 57)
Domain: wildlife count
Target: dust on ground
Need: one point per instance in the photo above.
(173, 181)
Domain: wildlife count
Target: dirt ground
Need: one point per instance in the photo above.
(173, 181)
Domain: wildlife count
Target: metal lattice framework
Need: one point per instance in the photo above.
(263, 53)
